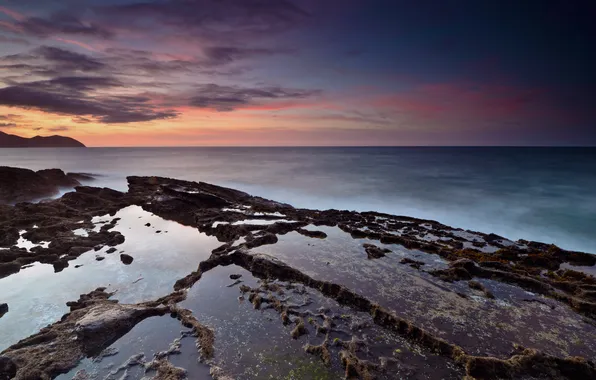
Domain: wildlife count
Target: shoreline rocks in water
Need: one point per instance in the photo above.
(465, 296)
(22, 185)
(3, 309)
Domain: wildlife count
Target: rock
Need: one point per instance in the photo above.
(58, 178)
(466, 264)
(235, 276)
(147, 224)
(99, 258)
(21, 185)
(3, 309)
(312, 234)
(158, 231)
(111, 250)
(8, 369)
(105, 319)
(268, 238)
(126, 259)
(374, 252)
(413, 263)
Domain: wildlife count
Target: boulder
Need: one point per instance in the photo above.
(3, 309)
(25, 185)
(126, 259)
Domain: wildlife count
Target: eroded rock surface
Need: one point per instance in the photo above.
(398, 296)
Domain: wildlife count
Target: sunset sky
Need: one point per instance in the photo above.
(299, 72)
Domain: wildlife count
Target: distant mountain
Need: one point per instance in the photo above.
(14, 141)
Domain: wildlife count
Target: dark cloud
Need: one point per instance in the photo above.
(7, 125)
(215, 60)
(69, 60)
(228, 98)
(58, 129)
(213, 17)
(10, 117)
(221, 55)
(80, 83)
(62, 23)
(106, 108)
(13, 40)
(48, 61)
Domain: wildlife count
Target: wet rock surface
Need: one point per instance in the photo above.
(343, 294)
(22, 185)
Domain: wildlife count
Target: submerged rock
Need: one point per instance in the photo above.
(3, 309)
(374, 252)
(126, 259)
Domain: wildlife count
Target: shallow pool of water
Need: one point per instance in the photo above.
(37, 296)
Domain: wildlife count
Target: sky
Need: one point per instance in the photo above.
(300, 72)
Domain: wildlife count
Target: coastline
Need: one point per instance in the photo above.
(429, 284)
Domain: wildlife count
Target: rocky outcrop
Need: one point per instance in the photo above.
(444, 258)
(93, 323)
(3, 309)
(21, 185)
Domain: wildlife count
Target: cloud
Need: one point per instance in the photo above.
(7, 125)
(58, 129)
(10, 117)
(14, 40)
(50, 61)
(63, 23)
(69, 60)
(71, 101)
(221, 55)
(214, 18)
(229, 98)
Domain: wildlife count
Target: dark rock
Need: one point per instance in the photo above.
(147, 224)
(374, 252)
(3, 309)
(85, 177)
(7, 269)
(158, 231)
(111, 250)
(8, 236)
(21, 185)
(413, 263)
(58, 178)
(8, 369)
(466, 264)
(235, 276)
(60, 265)
(262, 240)
(126, 259)
(312, 234)
(99, 258)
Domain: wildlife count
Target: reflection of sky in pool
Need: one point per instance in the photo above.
(37, 296)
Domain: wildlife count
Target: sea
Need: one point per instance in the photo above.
(542, 194)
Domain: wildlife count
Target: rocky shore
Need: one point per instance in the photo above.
(366, 295)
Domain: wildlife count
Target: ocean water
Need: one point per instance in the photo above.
(543, 194)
